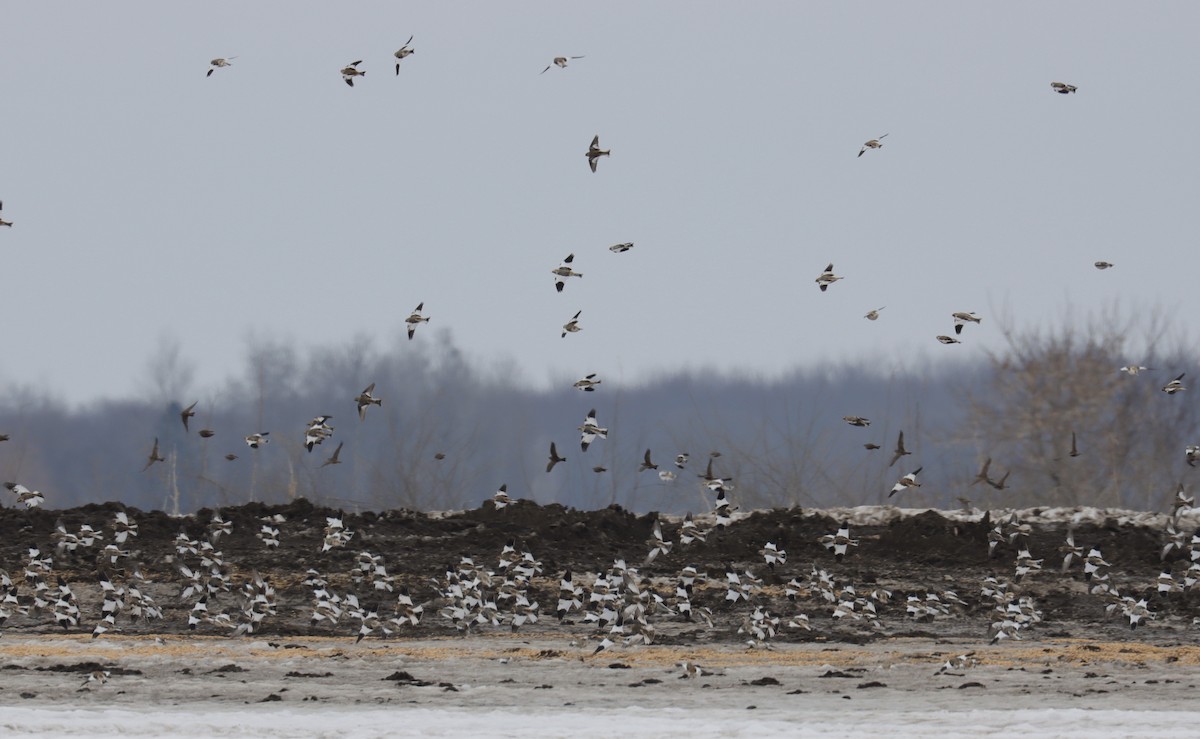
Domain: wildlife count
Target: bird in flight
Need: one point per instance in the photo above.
(554, 458)
(621, 248)
(872, 144)
(416, 318)
(874, 314)
(1134, 369)
(594, 152)
(350, 71)
(572, 326)
(983, 473)
(1062, 88)
(365, 399)
(217, 63)
(908, 481)
(588, 384)
(646, 463)
(333, 459)
(900, 450)
(948, 339)
(154, 456)
(1103, 265)
(827, 278)
(187, 413)
(560, 62)
(962, 318)
(858, 421)
(254, 441)
(563, 271)
(590, 430)
(9, 223)
(1175, 385)
(402, 52)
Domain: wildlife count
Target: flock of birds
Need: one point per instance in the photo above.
(620, 603)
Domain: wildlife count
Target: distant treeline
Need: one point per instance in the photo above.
(449, 434)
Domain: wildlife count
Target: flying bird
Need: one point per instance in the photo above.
(1062, 88)
(1175, 385)
(646, 463)
(908, 481)
(587, 384)
(217, 63)
(350, 71)
(154, 456)
(681, 460)
(554, 458)
(948, 340)
(416, 318)
(590, 430)
(900, 450)
(594, 152)
(572, 326)
(560, 62)
(962, 318)
(1192, 454)
(563, 271)
(2, 221)
(872, 144)
(1103, 265)
(187, 413)
(621, 248)
(1133, 369)
(365, 399)
(403, 52)
(1074, 448)
(255, 440)
(873, 314)
(206, 433)
(858, 421)
(983, 473)
(333, 459)
(827, 278)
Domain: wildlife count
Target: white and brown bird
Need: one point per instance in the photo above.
(572, 326)
(948, 339)
(1175, 385)
(594, 152)
(872, 144)
(254, 441)
(365, 400)
(827, 278)
(621, 248)
(908, 481)
(403, 52)
(1062, 88)
(416, 318)
(873, 315)
(350, 71)
(590, 431)
(560, 62)
(500, 499)
(1133, 369)
(154, 456)
(858, 421)
(563, 271)
(215, 64)
(962, 318)
(587, 384)
(1192, 454)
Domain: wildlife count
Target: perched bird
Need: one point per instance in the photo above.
(587, 384)
(948, 339)
(1134, 369)
(873, 314)
(900, 450)
(1103, 265)
(560, 62)
(1175, 385)
(621, 248)
(594, 152)
(255, 440)
(403, 52)
(217, 63)
(1062, 88)
(154, 456)
(2, 221)
(416, 318)
(333, 459)
(962, 318)
(563, 271)
(827, 278)
(646, 463)
(858, 421)
(872, 144)
(554, 458)
(908, 481)
(365, 400)
(350, 71)
(187, 413)
(589, 431)
(572, 326)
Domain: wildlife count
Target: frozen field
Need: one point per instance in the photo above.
(520, 687)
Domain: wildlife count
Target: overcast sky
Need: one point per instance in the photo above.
(271, 199)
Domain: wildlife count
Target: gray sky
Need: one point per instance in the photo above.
(272, 199)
